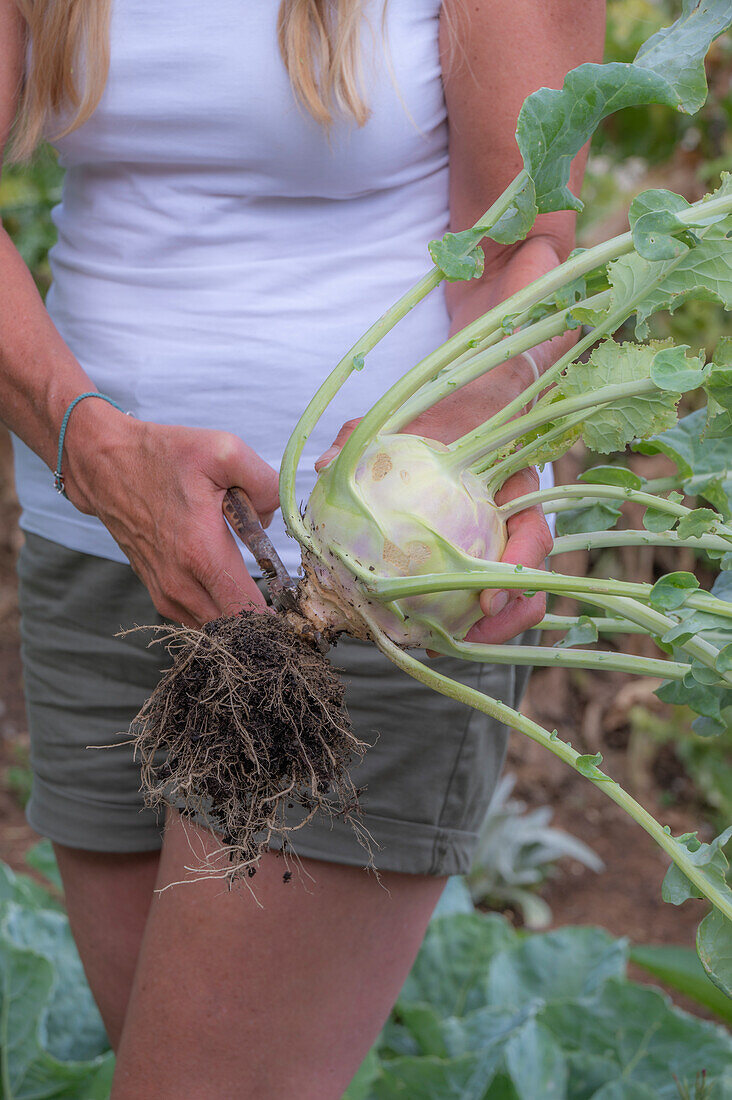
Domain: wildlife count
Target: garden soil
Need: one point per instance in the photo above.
(590, 710)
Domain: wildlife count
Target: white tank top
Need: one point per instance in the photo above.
(218, 252)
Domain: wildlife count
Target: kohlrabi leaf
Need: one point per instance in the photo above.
(52, 1042)
(611, 475)
(700, 521)
(703, 273)
(704, 464)
(670, 370)
(589, 765)
(657, 232)
(719, 391)
(452, 966)
(707, 858)
(535, 1063)
(609, 428)
(714, 944)
(458, 255)
(601, 516)
(705, 701)
(669, 69)
(583, 632)
(656, 520)
(677, 52)
(681, 970)
(672, 591)
(515, 223)
(632, 1043)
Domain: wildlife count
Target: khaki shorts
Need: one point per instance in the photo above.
(428, 778)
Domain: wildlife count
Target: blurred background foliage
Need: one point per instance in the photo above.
(633, 150)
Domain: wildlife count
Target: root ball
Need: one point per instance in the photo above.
(248, 722)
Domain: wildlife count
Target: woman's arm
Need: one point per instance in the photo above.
(157, 489)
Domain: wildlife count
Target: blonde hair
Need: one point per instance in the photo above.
(318, 40)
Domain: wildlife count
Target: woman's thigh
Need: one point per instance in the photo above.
(271, 991)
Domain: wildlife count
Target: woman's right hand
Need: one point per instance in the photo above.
(158, 490)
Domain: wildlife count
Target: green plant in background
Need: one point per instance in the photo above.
(52, 1041)
(517, 852)
(27, 195)
(18, 775)
(491, 1014)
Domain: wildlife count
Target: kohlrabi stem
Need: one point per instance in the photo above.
(616, 596)
(478, 575)
(524, 299)
(603, 624)
(476, 363)
(503, 713)
(526, 455)
(590, 540)
(587, 494)
(478, 447)
(353, 360)
(600, 660)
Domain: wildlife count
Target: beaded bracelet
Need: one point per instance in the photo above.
(58, 479)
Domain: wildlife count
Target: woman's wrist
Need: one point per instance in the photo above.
(98, 438)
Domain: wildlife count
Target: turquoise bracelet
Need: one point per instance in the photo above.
(58, 479)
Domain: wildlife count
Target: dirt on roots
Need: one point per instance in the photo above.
(248, 723)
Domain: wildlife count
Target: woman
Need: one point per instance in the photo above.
(236, 211)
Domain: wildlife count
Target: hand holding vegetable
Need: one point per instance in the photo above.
(529, 540)
(158, 490)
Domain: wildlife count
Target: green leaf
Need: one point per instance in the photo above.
(41, 859)
(583, 632)
(455, 898)
(569, 963)
(535, 1063)
(703, 273)
(700, 521)
(655, 519)
(672, 591)
(361, 1086)
(633, 416)
(601, 516)
(669, 69)
(724, 661)
(612, 475)
(588, 765)
(671, 370)
(677, 52)
(632, 1037)
(458, 255)
(427, 1078)
(714, 944)
(703, 700)
(708, 858)
(680, 968)
(515, 223)
(655, 226)
(52, 1042)
(705, 465)
(452, 966)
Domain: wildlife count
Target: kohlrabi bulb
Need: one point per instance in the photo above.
(410, 513)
